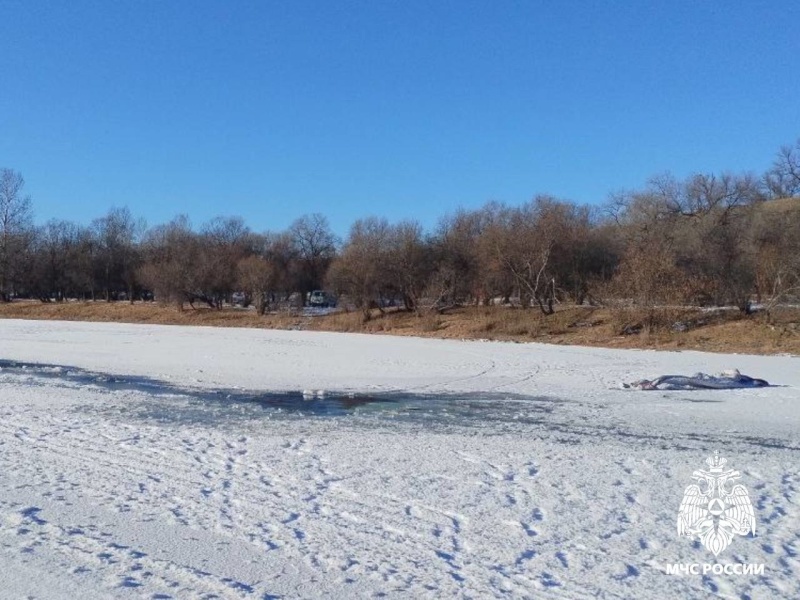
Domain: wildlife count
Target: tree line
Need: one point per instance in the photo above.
(708, 239)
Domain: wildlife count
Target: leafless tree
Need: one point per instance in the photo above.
(315, 246)
(265, 274)
(529, 242)
(118, 235)
(224, 241)
(15, 223)
(775, 238)
(170, 253)
(495, 280)
(694, 231)
(359, 271)
(783, 179)
(457, 268)
(55, 267)
(409, 264)
(715, 238)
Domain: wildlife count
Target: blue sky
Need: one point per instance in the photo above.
(402, 109)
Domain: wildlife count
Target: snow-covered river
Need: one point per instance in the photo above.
(173, 462)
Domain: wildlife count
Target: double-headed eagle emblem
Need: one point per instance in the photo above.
(713, 513)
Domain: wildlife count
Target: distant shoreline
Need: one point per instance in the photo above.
(662, 329)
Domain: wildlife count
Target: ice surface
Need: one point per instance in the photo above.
(158, 462)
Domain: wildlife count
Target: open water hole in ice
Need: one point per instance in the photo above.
(166, 402)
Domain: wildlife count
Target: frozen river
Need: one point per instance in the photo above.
(171, 462)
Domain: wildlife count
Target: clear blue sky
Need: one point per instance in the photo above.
(401, 108)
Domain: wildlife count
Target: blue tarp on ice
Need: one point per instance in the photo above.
(727, 380)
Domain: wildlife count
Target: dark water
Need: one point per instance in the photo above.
(166, 401)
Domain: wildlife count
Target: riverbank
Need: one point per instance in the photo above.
(719, 330)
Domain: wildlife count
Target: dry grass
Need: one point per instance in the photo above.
(147, 312)
(720, 331)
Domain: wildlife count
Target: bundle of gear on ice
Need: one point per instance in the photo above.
(727, 380)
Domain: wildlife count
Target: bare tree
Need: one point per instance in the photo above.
(315, 246)
(457, 269)
(85, 261)
(715, 238)
(170, 254)
(54, 272)
(224, 241)
(15, 221)
(264, 275)
(783, 179)
(695, 232)
(775, 236)
(117, 256)
(494, 278)
(360, 269)
(646, 223)
(255, 276)
(409, 264)
(714, 246)
(528, 242)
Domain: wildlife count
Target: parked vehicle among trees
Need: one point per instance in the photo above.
(321, 299)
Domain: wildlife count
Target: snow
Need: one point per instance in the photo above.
(514, 470)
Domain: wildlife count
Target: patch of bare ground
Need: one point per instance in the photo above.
(660, 328)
